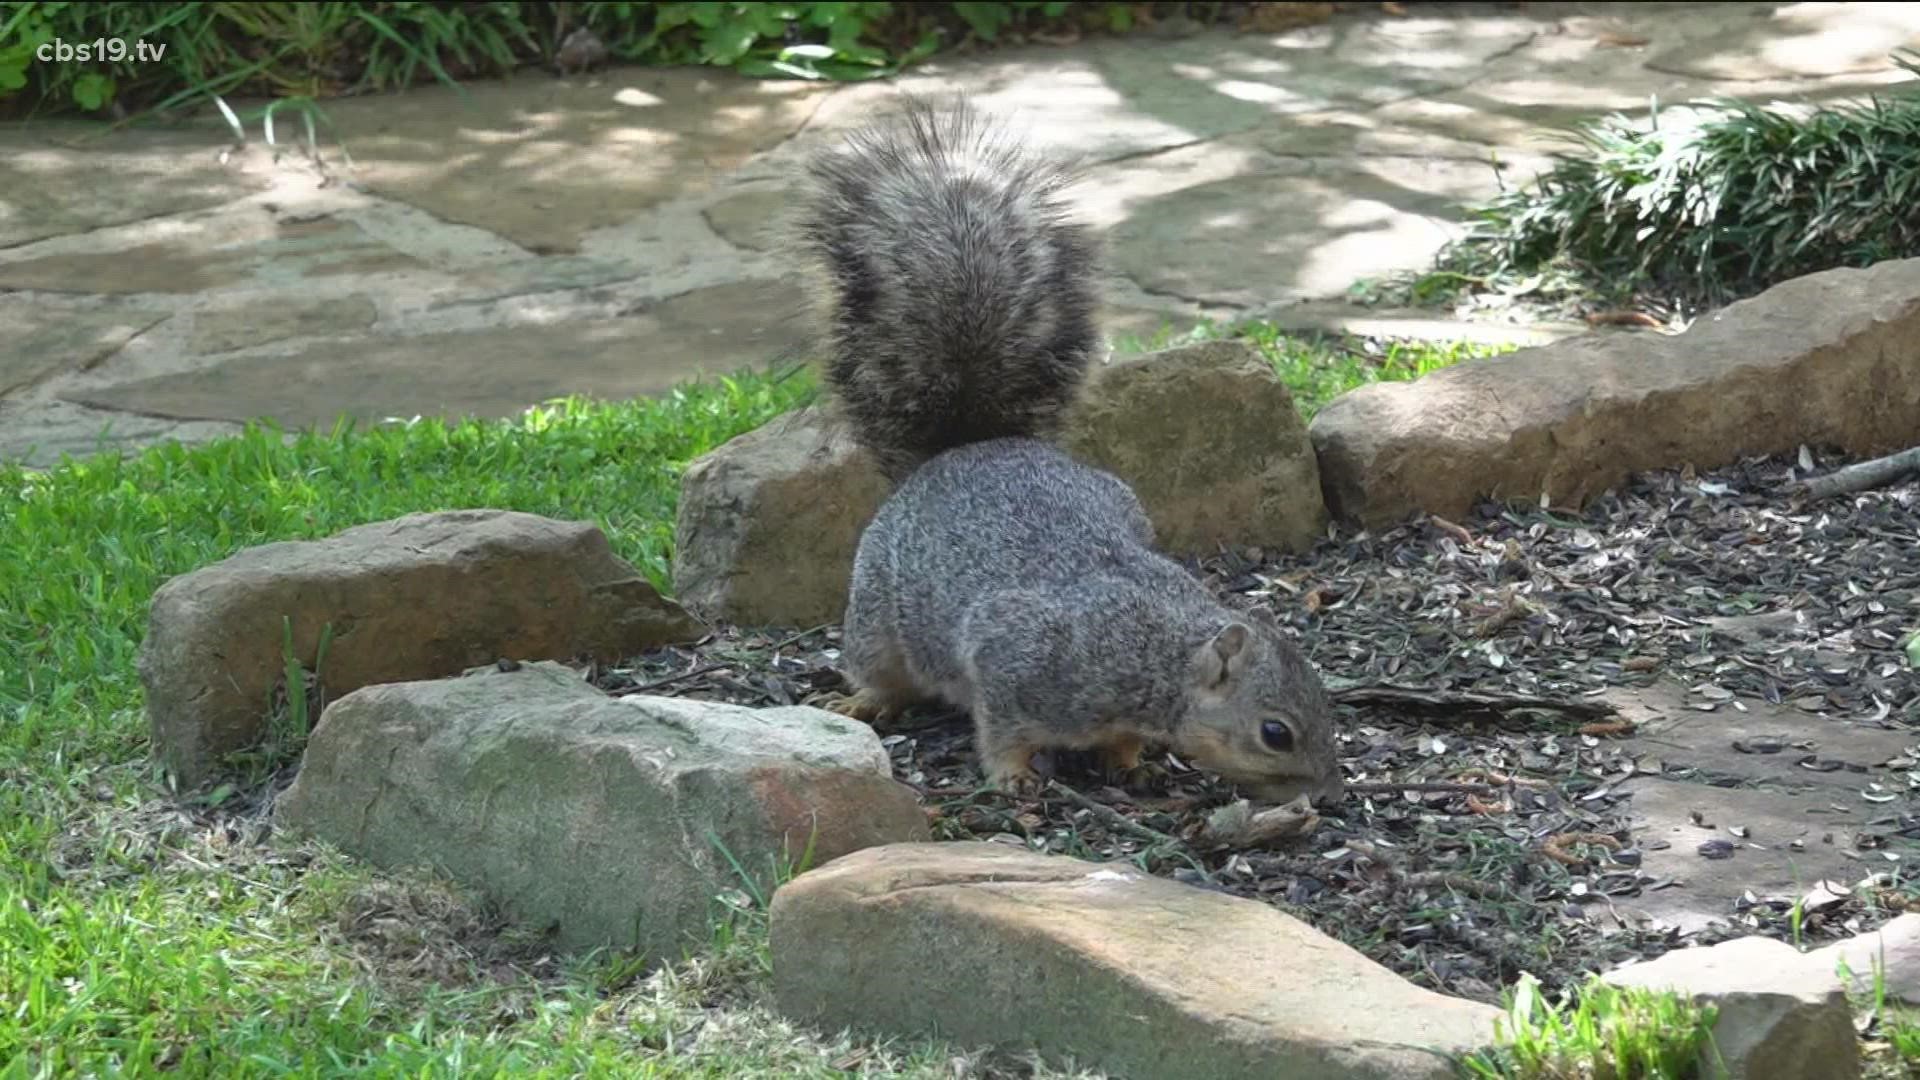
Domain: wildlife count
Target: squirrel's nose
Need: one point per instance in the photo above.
(1331, 793)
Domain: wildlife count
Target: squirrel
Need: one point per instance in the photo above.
(1000, 575)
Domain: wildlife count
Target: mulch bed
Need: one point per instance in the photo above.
(1509, 856)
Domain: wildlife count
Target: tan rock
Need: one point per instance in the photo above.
(1135, 975)
(1781, 1016)
(1207, 436)
(1888, 957)
(1210, 440)
(768, 523)
(1830, 358)
(422, 596)
(609, 821)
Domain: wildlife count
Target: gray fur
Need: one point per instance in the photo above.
(1002, 576)
(959, 299)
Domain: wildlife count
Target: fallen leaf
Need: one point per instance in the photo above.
(1717, 849)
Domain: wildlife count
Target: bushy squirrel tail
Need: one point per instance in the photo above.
(958, 296)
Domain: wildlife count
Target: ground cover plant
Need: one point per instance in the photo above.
(1700, 206)
(314, 51)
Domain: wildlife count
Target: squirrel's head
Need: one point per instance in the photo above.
(1258, 715)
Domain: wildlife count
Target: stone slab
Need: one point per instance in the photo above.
(1679, 736)
(544, 161)
(1295, 231)
(484, 373)
(262, 322)
(40, 337)
(58, 178)
(1708, 890)
(1795, 41)
(219, 254)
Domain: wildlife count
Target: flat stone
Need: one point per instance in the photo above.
(262, 321)
(1764, 863)
(211, 259)
(1780, 1017)
(38, 434)
(422, 596)
(483, 373)
(1672, 731)
(58, 178)
(1218, 82)
(1827, 359)
(748, 220)
(1299, 232)
(544, 161)
(611, 822)
(41, 336)
(1210, 441)
(1123, 972)
(1798, 41)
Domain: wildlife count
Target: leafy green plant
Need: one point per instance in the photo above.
(1712, 206)
(1318, 367)
(315, 51)
(1609, 1033)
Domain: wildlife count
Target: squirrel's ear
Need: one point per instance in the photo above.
(1221, 661)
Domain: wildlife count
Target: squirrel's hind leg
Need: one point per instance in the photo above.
(884, 688)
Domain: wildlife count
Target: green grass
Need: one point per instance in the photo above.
(138, 936)
(1607, 1033)
(1701, 206)
(1319, 367)
(314, 51)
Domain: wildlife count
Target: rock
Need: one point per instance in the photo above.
(1830, 358)
(422, 596)
(472, 372)
(1893, 951)
(41, 336)
(1207, 435)
(586, 155)
(768, 523)
(610, 821)
(1126, 973)
(1780, 1016)
(1210, 440)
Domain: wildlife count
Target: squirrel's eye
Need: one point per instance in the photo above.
(1277, 735)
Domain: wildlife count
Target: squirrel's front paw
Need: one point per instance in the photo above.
(864, 706)
(1011, 770)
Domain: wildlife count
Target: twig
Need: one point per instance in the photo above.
(1113, 818)
(1430, 787)
(778, 645)
(1450, 701)
(703, 669)
(1863, 475)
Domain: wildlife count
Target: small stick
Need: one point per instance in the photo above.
(703, 669)
(800, 636)
(1432, 787)
(1110, 816)
(1467, 701)
(1863, 475)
